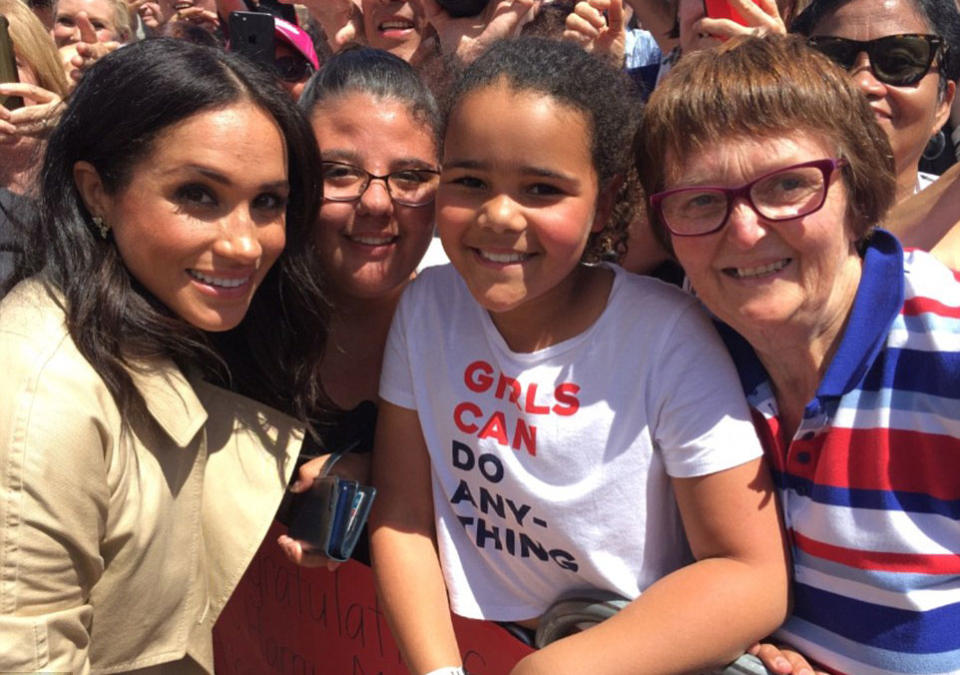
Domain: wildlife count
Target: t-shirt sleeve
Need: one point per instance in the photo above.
(396, 376)
(53, 505)
(701, 421)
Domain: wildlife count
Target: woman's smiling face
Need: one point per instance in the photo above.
(371, 246)
(395, 26)
(202, 217)
(909, 114)
(761, 275)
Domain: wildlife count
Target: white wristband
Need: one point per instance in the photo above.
(448, 670)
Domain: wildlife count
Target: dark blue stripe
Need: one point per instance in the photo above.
(885, 500)
(936, 373)
(914, 632)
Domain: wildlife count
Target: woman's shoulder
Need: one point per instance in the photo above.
(437, 285)
(644, 296)
(33, 325)
(925, 275)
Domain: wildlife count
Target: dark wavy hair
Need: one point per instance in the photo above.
(379, 74)
(119, 110)
(605, 95)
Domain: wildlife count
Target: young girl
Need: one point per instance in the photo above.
(542, 419)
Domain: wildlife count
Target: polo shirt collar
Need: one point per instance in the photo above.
(877, 303)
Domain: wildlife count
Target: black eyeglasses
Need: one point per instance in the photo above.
(292, 68)
(898, 60)
(791, 192)
(410, 187)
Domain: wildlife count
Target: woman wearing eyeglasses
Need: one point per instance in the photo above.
(904, 55)
(767, 184)
(376, 124)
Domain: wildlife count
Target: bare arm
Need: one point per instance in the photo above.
(402, 538)
(707, 613)
(929, 219)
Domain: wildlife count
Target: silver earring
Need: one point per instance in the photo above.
(936, 146)
(101, 226)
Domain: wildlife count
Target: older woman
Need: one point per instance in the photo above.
(767, 184)
(903, 55)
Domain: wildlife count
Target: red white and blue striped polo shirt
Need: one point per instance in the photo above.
(870, 483)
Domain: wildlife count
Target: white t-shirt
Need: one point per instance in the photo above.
(550, 469)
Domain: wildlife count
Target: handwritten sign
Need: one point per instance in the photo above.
(297, 621)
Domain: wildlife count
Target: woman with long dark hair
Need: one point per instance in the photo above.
(171, 276)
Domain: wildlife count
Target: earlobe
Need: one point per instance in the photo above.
(90, 187)
(943, 107)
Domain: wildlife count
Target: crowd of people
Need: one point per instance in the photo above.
(630, 302)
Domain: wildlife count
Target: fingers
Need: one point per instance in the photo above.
(766, 14)
(587, 17)
(581, 31)
(298, 554)
(781, 660)
(31, 91)
(88, 33)
(308, 473)
(8, 130)
(615, 15)
(197, 15)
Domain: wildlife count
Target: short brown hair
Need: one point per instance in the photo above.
(762, 88)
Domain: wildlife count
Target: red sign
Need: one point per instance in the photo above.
(299, 621)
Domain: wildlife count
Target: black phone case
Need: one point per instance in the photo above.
(8, 66)
(251, 34)
(314, 517)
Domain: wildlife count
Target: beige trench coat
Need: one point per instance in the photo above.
(119, 550)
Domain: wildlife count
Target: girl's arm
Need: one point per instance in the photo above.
(402, 538)
(707, 613)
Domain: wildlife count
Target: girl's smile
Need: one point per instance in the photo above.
(517, 199)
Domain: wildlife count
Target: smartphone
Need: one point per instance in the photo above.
(8, 65)
(463, 7)
(314, 517)
(721, 9)
(251, 33)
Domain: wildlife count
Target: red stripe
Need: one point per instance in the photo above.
(880, 459)
(942, 563)
(921, 305)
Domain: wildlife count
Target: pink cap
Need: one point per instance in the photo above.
(297, 38)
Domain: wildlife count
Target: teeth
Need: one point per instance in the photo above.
(218, 281)
(503, 258)
(372, 241)
(743, 272)
(389, 25)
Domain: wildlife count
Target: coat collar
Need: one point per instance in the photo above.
(170, 400)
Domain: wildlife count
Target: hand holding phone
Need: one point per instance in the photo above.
(723, 19)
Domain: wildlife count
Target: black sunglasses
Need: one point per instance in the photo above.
(897, 60)
(292, 68)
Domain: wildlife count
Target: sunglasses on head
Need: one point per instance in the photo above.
(898, 60)
(292, 68)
